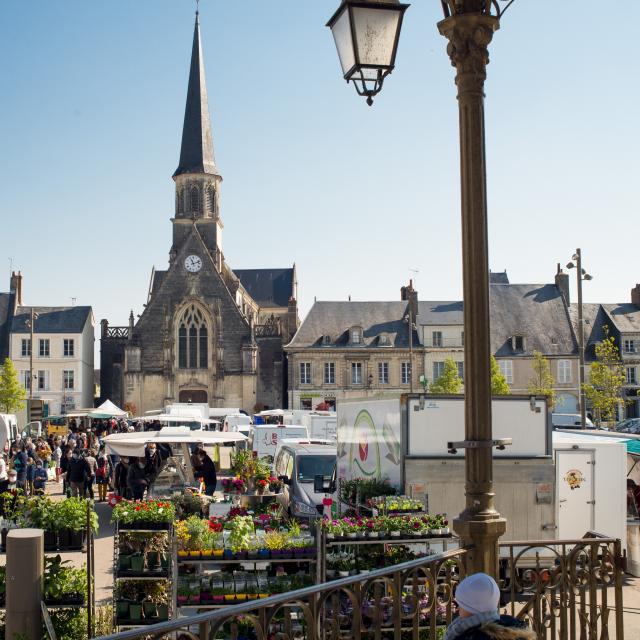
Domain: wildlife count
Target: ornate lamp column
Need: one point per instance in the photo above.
(479, 525)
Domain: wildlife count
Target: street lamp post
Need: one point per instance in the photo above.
(469, 26)
(581, 274)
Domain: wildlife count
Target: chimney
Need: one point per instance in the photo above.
(562, 282)
(15, 286)
(635, 295)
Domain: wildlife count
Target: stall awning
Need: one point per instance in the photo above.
(633, 446)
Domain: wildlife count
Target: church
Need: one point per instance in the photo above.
(207, 333)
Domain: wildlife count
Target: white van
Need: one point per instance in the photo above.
(237, 422)
(569, 421)
(8, 429)
(265, 438)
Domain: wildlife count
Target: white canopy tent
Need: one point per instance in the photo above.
(133, 444)
(107, 410)
(271, 412)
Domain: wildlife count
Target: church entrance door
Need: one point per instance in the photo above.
(197, 395)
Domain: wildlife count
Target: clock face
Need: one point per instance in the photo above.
(193, 264)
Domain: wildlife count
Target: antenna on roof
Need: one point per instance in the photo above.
(349, 297)
(73, 302)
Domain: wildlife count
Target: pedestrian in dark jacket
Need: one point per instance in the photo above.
(77, 475)
(478, 598)
(20, 462)
(207, 471)
(137, 480)
(120, 478)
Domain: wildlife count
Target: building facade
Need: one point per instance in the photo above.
(207, 333)
(63, 341)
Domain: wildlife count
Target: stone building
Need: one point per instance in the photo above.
(207, 333)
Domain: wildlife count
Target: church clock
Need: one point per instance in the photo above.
(193, 264)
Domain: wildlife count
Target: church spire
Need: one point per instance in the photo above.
(196, 152)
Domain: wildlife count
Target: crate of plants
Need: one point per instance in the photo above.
(144, 515)
(63, 584)
(395, 505)
(359, 491)
(138, 602)
(142, 554)
(382, 528)
(250, 474)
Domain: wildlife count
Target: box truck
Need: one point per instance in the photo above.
(406, 441)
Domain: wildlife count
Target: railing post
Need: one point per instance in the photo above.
(618, 560)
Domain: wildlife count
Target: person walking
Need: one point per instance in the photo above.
(91, 478)
(152, 464)
(39, 478)
(120, 478)
(137, 480)
(478, 599)
(77, 475)
(19, 462)
(102, 475)
(57, 456)
(3, 468)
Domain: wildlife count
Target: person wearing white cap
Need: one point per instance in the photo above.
(478, 599)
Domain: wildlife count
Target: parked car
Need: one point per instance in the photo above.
(630, 425)
(569, 421)
(297, 465)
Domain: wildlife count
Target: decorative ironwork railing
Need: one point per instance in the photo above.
(409, 600)
(272, 330)
(117, 332)
(566, 589)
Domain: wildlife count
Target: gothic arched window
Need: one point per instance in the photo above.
(193, 340)
(180, 201)
(194, 200)
(211, 200)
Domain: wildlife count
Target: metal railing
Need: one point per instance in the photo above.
(565, 589)
(409, 600)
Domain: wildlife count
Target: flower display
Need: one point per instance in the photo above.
(128, 512)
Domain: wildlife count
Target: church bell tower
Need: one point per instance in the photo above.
(197, 178)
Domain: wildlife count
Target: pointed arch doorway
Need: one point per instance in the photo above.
(194, 396)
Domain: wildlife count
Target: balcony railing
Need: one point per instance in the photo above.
(565, 589)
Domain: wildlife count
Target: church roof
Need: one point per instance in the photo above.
(196, 152)
(268, 287)
(51, 319)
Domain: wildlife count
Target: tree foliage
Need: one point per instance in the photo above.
(499, 385)
(449, 382)
(606, 379)
(542, 382)
(12, 393)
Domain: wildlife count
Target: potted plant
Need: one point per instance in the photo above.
(156, 546)
(261, 485)
(148, 514)
(394, 527)
(229, 596)
(126, 593)
(217, 596)
(344, 566)
(275, 484)
(275, 542)
(183, 596)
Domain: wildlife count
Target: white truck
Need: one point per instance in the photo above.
(265, 438)
(406, 440)
(321, 424)
(8, 429)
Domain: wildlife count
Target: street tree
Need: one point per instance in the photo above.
(606, 379)
(499, 386)
(12, 393)
(542, 382)
(449, 381)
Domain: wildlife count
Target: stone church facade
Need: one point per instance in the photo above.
(207, 333)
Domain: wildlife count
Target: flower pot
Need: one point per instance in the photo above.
(194, 598)
(194, 554)
(253, 555)
(395, 534)
(122, 609)
(75, 539)
(242, 555)
(153, 560)
(373, 534)
(124, 563)
(383, 535)
(182, 600)
(352, 536)
(150, 609)
(135, 611)
(50, 540)
(263, 595)
(264, 554)
(228, 554)
(137, 563)
(364, 571)
(343, 574)
(331, 573)
(331, 536)
(206, 597)
(218, 553)
(241, 597)
(445, 531)
(230, 597)
(182, 553)
(416, 534)
(217, 599)
(207, 553)
(163, 612)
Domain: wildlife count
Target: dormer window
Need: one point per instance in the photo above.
(356, 335)
(326, 341)
(517, 343)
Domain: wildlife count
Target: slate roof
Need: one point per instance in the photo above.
(52, 319)
(535, 311)
(625, 316)
(268, 287)
(334, 319)
(157, 278)
(498, 278)
(440, 313)
(6, 308)
(196, 151)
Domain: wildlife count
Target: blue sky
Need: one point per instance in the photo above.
(91, 114)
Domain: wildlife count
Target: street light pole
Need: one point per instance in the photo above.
(479, 525)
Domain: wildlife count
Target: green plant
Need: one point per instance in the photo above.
(241, 528)
(275, 540)
(187, 504)
(449, 381)
(499, 385)
(154, 591)
(12, 393)
(62, 581)
(542, 382)
(154, 511)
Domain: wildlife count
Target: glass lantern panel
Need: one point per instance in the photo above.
(376, 31)
(341, 31)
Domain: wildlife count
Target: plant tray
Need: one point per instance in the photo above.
(145, 526)
(129, 622)
(127, 573)
(61, 602)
